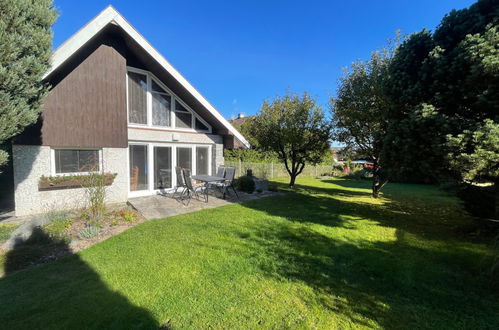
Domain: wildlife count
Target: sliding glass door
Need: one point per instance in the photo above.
(162, 167)
(184, 157)
(202, 160)
(151, 165)
(138, 168)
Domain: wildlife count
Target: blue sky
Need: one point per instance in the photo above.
(238, 53)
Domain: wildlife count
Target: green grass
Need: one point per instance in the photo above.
(325, 256)
(5, 231)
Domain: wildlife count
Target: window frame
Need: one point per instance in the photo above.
(53, 161)
(174, 99)
(150, 159)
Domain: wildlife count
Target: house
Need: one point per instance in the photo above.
(117, 106)
(237, 122)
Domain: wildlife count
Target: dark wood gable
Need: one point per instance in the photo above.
(86, 106)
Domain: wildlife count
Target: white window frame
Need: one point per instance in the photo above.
(174, 98)
(150, 164)
(53, 161)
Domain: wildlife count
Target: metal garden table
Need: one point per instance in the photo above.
(207, 179)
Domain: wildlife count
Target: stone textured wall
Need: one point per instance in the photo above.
(31, 162)
(218, 156)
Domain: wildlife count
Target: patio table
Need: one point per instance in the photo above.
(208, 179)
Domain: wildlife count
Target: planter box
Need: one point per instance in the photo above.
(75, 182)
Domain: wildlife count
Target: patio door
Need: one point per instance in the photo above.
(163, 168)
(139, 178)
(151, 165)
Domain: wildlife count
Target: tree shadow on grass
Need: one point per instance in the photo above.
(388, 284)
(66, 294)
(421, 278)
(334, 206)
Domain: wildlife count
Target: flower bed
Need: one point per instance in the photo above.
(71, 181)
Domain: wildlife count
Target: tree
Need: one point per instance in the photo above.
(475, 156)
(295, 128)
(359, 111)
(25, 50)
(441, 85)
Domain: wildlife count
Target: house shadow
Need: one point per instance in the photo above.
(390, 283)
(67, 294)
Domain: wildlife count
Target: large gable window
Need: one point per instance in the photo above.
(161, 105)
(183, 116)
(137, 98)
(150, 103)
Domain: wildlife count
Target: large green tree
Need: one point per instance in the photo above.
(25, 50)
(441, 85)
(295, 128)
(359, 110)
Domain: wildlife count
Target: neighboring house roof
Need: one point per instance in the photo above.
(239, 121)
(111, 16)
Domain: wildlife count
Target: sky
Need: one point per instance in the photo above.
(239, 53)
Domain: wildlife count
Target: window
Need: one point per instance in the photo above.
(150, 103)
(161, 102)
(202, 162)
(184, 157)
(138, 167)
(200, 126)
(162, 167)
(184, 117)
(76, 161)
(137, 98)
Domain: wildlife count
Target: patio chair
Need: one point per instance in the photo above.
(220, 171)
(180, 181)
(191, 189)
(224, 186)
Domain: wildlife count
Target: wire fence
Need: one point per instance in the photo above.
(275, 170)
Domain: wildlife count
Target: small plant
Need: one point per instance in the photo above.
(128, 215)
(57, 228)
(88, 232)
(114, 223)
(246, 184)
(56, 215)
(95, 190)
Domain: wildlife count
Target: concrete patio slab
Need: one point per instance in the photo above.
(163, 206)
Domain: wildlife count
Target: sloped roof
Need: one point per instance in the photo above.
(112, 16)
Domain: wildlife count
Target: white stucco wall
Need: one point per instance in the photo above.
(135, 134)
(31, 162)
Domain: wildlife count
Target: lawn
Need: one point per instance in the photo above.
(5, 231)
(324, 256)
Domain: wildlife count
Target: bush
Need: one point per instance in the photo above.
(88, 232)
(57, 228)
(478, 201)
(273, 186)
(246, 184)
(128, 215)
(95, 191)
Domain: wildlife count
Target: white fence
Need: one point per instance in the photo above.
(275, 170)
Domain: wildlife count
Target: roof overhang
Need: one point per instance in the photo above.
(111, 16)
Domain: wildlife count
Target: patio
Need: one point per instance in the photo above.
(162, 206)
